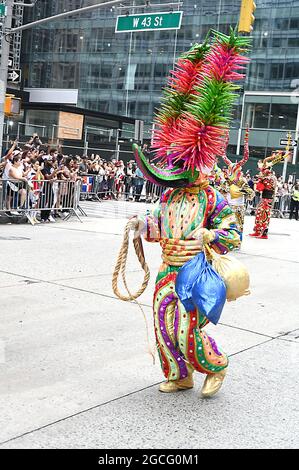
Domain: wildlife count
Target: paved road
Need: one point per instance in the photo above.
(75, 372)
(113, 209)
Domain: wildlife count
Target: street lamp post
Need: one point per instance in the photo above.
(117, 146)
(8, 31)
(86, 141)
(296, 138)
(4, 65)
(285, 163)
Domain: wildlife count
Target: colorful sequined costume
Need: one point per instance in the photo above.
(176, 224)
(267, 185)
(239, 190)
(191, 130)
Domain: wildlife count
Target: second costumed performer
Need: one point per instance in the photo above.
(267, 186)
(191, 130)
(238, 188)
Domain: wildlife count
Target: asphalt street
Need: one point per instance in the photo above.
(75, 370)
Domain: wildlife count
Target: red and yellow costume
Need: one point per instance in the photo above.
(238, 188)
(266, 185)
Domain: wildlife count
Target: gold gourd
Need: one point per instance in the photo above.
(234, 274)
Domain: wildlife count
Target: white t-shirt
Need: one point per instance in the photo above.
(7, 168)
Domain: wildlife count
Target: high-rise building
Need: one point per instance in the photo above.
(123, 73)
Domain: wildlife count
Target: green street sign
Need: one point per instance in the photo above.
(148, 22)
(2, 9)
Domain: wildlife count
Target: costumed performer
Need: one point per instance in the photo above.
(191, 130)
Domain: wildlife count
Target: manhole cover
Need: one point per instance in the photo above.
(14, 238)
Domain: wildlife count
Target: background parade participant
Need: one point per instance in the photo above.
(238, 185)
(266, 185)
(217, 179)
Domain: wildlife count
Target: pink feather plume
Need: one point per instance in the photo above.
(197, 144)
(224, 63)
(184, 77)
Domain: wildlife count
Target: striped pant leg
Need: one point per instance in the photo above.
(197, 347)
(263, 215)
(182, 344)
(165, 320)
(239, 212)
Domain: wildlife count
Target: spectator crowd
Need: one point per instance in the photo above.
(286, 198)
(44, 182)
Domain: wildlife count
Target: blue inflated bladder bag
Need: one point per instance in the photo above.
(199, 286)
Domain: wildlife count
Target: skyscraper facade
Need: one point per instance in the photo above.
(123, 73)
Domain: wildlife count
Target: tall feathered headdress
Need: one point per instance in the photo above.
(235, 169)
(245, 158)
(192, 125)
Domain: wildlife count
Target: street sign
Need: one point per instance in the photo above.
(2, 9)
(149, 22)
(14, 76)
(285, 142)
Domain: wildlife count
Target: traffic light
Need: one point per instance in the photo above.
(12, 105)
(246, 16)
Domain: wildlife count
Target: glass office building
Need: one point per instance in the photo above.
(123, 73)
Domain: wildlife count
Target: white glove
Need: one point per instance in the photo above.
(208, 236)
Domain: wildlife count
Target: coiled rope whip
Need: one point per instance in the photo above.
(120, 268)
(121, 263)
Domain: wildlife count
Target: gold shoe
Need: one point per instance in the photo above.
(213, 384)
(168, 387)
(185, 384)
(172, 386)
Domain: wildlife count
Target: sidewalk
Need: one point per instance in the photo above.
(75, 369)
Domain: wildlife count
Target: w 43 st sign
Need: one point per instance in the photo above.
(151, 22)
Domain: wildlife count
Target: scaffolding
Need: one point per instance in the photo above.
(15, 48)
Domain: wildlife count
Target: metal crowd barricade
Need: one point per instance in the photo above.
(98, 187)
(90, 187)
(276, 208)
(157, 192)
(280, 206)
(130, 192)
(147, 192)
(40, 198)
